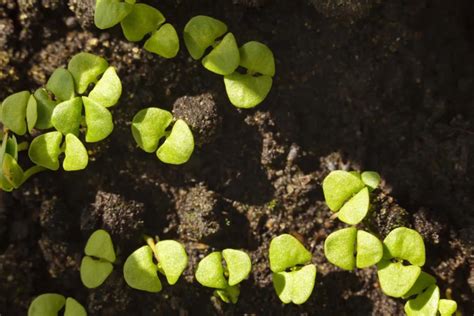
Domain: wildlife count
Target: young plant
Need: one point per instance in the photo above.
(150, 125)
(141, 273)
(224, 276)
(349, 248)
(293, 274)
(51, 304)
(96, 265)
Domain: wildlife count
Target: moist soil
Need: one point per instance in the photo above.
(383, 85)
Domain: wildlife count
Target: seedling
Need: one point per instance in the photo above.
(141, 273)
(150, 125)
(51, 304)
(425, 303)
(349, 248)
(447, 307)
(293, 274)
(224, 276)
(96, 265)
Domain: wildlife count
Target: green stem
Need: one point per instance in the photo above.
(151, 243)
(31, 172)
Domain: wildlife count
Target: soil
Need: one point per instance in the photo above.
(381, 85)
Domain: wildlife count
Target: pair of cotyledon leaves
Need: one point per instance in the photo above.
(212, 273)
(244, 90)
(50, 304)
(348, 193)
(11, 173)
(428, 303)
(149, 126)
(293, 283)
(137, 20)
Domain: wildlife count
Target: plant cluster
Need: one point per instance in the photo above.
(398, 258)
(137, 20)
(63, 109)
(150, 125)
(50, 304)
(245, 90)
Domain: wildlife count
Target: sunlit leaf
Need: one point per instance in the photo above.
(108, 89)
(178, 146)
(98, 120)
(61, 84)
(163, 42)
(246, 91)
(286, 252)
(224, 58)
(67, 116)
(142, 20)
(85, 69)
(14, 112)
(45, 149)
(200, 33)
(110, 12)
(140, 272)
(149, 126)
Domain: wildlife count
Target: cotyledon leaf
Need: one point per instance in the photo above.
(140, 272)
(172, 259)
(76, 157)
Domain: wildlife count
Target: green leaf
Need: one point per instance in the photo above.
(246, 91)
(178, 146)
(149, 126)
(224, 58)
(447, 307)
(425, 304)
(108, 89)
(257, 58)
(45, 107)
(140, 272)
(229, 294)
(11, 171)
(45, 149)
(67, 116)
(395, 278)
(48, 304)
(12, 147)
(110, 12)
(31, 113)
(98, 120)
(14, 112)
(369, 249)
(286, 252)
(405, 243)
(163, 42)
(200, 33)
(339, 248)
(142, 20)
(76, 154)
(94, 272)
(339, 186)
(295, 286)
(85, 69)
(100, 245)
(238, 264)
(371, 179)
(61, 84)
(210, 271)
(172, 259)
(355, 210)
(74, 308)
(423, 282)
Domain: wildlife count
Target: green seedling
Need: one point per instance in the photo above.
(224, 276)
(401, 244)
(109, 13)
(96, 265)
(141, 273)
(51, 304)
(349, 248)
(293, 274)
(150, 125)
(447, 307)
(425, 304)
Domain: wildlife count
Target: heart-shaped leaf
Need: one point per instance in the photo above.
(31, 113)
(76, 154)
(295, 286)
(246, 91)
(48, 304)
(405, 243)
(229, 294)
(110, 12)
(395, 278)
(257, 58)
(172, 259)
(423, 282)
(45, 149)
(108, 89)
(369, 249)
(447, 307)
(142, 20)
(238, 264)
(67, 116)
(425, 304)
(85, 68)
(100, 245)
(163, 42)
(286, 252)
(224, 58)
(14, 112)
(140, 272)
(178, 146)
(94, 272)
(339, 248)
(149, 126)
(98, 120)
(61, 84)
(45, 107)
(371, 179)
(74, 308)
(200, 33)
(210, 271)
(11, 171)
(339, 186)
(355, 210)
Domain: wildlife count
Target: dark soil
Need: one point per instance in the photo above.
(383, 85)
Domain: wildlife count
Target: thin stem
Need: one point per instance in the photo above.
(31, 172)
(151, 243)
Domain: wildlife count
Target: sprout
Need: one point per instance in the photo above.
(293, 282)
(425, 303)
(96, 265)
(142, 20)
(149, 126)
(447, 307)
(141, 273)
(225, 278)
(50, 304)
(110, 12)
(349, 248)
(200, 33)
